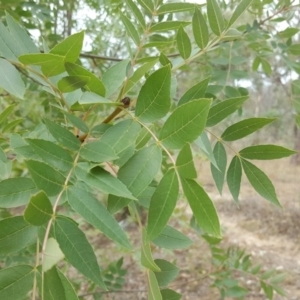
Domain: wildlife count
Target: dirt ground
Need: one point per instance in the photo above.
(270, 234)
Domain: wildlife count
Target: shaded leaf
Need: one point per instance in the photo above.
(53, 287)
(185, 123)
(234, 177)
(168, 294)
(102, 180)
(266, 152)
(45, 177)
(260, 182)
(170, 238)
(167, 25)
(16, 282)
(221, 160)
(203, 208)
(69, 289)
(10, 79)
(162, 204)
(130, 29)
(244, 128)
(15, 235)
(77, 249)
(153, 288)
(8, 46)
(15, 192)
(63, 135)
(94, 84)
(222, 110)
(204, 144)
(239, 10)
(6, 112)
(174, 7)
(96, 214)
(168, 272)
(154, 100)
(71, 83)
(93, 98)
(137, 13)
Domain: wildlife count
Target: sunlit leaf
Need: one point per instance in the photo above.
(239, 10)
(153, 288)
(215, 17)
(154, 101)
(200, 29)
(137, 13)
(168, 25)
(71, 83)
(52, 254)
(185, 164)
(130, 29)
(174, 7)
(185, 123)
(183, 43)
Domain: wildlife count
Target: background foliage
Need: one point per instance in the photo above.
(84, 136)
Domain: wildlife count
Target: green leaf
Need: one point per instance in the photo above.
(154, 101)
(162, 204)
(39, 210)
(21, 36)
(138, 74)
(185, 123)
(53, 287)
(239, 10)
(77, 122)
(52, 255)
(77, 249)
(137, 173)
(288, 32)
(268, 289)
(45, 177)
(6, 112)
(260, 182)
(153, 288)
(130, 29)
(114, 77)
(295, 49)
(15, 192)
(195, 92)
(15, 235)
(10, 79)
(170, 238)
(221, 160)
(266, 66)
(215, 17)
(168, 272)
(97, 151)
(137, 13)
(183, 43)
(8, 46)
(102, 180)
(70, 47)
(146, 255)
(51, 64)
(92, 98)
(175, 7)
(203, 208)
(94, 84)
(234, 177)
(69, 289)
(204, 144)
(168, 294)
(147, 5)
(200, 29)
(63, 135)
(52, 154)
(96, 214)
(121, 136)
(71, 83)
(16, 282)
(266, 152)
(185, 164)
(244, 128)
(168, 25)
(11, 125)
(222, 110)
